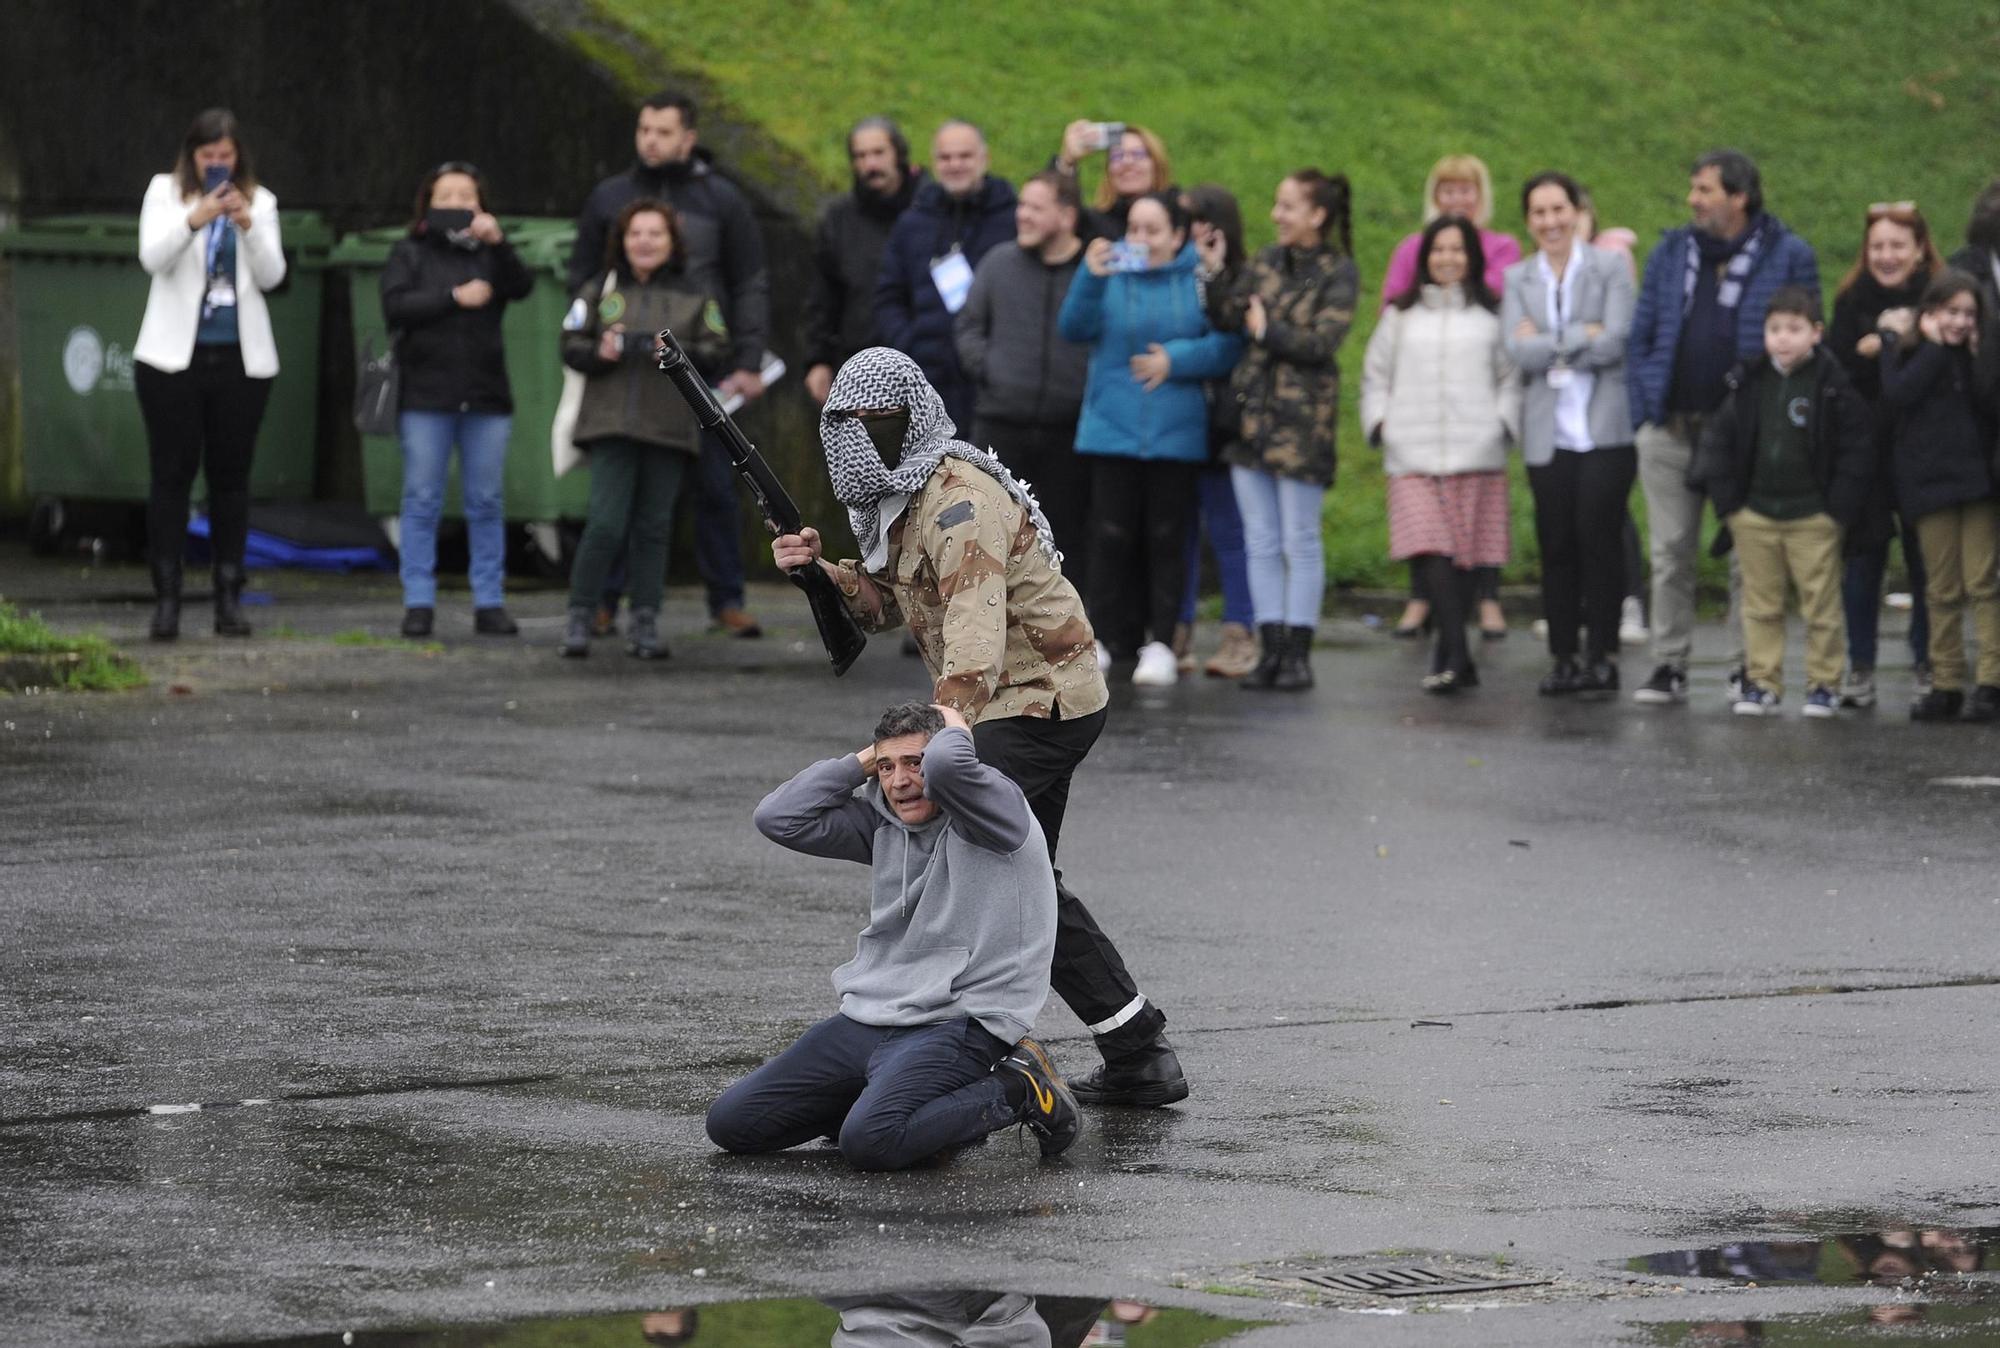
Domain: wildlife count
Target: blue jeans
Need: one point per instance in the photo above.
(482, 463)
(1282, 546)
(1215, 496)
(891, 1096)
(718, 533)
(1861, 597)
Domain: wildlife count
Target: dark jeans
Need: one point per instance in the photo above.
(1222, 521)
(1140, 511)
(718, 532)
(1040, 756)
(203, 419)
(633, 488)
(1580, 521)
(1045, 458)
(1861, 597)
(891, 1096)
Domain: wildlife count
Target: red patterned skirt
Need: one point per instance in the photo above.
(1464, 516)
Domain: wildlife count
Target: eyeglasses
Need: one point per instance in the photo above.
(1121, 155)
(1882, 208)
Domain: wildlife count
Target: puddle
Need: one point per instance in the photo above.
(1909, 1257)
(1915, 1321)
(915, 1318)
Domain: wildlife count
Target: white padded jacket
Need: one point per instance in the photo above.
(1439, 389)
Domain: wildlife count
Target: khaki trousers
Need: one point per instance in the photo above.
(1961, 546)
(1806, 553)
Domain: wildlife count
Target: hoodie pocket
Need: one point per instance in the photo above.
(894, 985)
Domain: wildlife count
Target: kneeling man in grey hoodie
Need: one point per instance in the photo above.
(930, 1049)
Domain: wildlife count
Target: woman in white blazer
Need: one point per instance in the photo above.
(1566, 311)
(1441, 398)
(208, 236)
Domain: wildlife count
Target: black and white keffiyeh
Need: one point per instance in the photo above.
(874, 493)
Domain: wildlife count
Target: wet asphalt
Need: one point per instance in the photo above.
(488, 930)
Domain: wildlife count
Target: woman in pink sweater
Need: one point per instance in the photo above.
(1459, 185)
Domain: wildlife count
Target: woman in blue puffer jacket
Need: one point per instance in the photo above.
(1144, 425)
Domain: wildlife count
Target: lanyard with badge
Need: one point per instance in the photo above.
(221, 291)
(1560, 375)
(952, 275)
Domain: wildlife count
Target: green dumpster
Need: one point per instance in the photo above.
(532, 330)
(79, 293)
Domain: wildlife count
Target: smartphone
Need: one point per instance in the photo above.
(1127, 256)
(1104, 135)
(214, 176)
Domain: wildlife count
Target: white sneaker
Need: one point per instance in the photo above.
(1157, 666)
(1632, 629)
(1103, 658)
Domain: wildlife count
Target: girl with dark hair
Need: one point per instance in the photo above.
(638, 431)
(445, 293)
(1144, 424)
(1898, 260)
(1441, 397)
(205, 358)
(1217, 224)
(1294, 302)
(1941, 463)
(1563, 320)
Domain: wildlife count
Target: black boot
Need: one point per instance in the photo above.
(167, 600)
(1295, 671)
(576, 636)
(1145, 1077)
(229, 600)
(1271, 652)
(645, 634)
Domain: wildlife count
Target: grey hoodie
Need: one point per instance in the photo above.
(963, 918)
(1008, 344)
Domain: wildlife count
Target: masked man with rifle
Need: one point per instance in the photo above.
(958, 549)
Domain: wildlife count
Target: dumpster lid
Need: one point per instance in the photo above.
(543, 243)
(106, 235)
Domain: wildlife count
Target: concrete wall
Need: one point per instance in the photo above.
(344, 106)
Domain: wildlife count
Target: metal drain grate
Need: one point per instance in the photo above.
(1411, 1281)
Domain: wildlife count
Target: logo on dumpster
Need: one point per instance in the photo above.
(89, 364)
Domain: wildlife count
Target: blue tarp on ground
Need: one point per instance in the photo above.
(313, 538)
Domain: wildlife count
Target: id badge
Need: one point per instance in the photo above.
(952, 275)
(221, 294)
(1560, 376)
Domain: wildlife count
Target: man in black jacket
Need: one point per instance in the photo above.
(1029, 380)
(927, 264)
(725, 256)
(847, 249)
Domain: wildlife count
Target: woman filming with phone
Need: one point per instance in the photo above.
(1135, 163)
(205, 358)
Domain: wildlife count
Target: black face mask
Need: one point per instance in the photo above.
(887, 434)
(450, 223)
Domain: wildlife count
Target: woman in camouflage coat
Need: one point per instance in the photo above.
(1294, 303)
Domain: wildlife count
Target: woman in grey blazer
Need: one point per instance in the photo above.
(1564, 315)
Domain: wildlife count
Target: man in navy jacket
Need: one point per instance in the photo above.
(1701, 310)
(927, 266)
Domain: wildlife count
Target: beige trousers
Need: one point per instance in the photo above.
(1961, 549)
(1805, 553)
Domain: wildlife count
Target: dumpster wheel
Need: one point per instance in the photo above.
(46, 523)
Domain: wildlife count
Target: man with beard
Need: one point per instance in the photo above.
(928, 262)
(954, 546)
(847, 249)
(723, 254)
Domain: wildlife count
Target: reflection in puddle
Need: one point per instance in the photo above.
(1896, 1257)
(903, 1319)
(1918, 1320)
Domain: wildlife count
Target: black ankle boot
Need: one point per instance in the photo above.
(1270, 653)
(1295, 673)
(166, 625)
(1145, 1077)
(229, 601)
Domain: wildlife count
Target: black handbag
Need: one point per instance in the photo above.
(378, 386)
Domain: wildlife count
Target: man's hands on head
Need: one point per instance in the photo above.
(953, 717)
(866, 758)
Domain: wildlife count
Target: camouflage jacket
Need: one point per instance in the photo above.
(1000, 629)
(1288, 383)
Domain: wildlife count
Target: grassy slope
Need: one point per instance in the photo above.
(1843, 102)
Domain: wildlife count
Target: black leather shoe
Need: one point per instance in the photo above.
(1984, 704)
(494, 622)
(1939, 704)
(229, 620)
(418, 621)
(1050, 1110)
(166, 624)
(1272, 643)
(1145, 1078)
(1564, 678)
(1599, 676)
